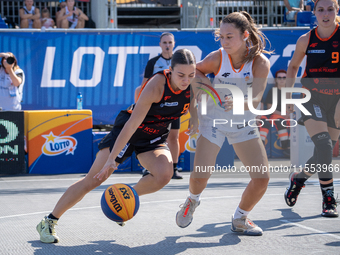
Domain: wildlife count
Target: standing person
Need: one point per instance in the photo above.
(280, 82)
(12, 81)
(321, 78)
(154, 65)
(71, 16)
(240, 59)
(29, 15)
(292, 8)
(142, 128)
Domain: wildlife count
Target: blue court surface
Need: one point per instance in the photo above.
(84, 229)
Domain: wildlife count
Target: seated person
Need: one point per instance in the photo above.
(29, 15)
(292, 8)
(61, 6)
(71, 16)
(310, 5)
(280, 82)
(46, 20)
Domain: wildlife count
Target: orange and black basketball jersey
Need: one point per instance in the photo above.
(172, 105)
(322, 72)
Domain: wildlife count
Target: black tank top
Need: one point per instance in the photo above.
(322, 71)
(156, 124)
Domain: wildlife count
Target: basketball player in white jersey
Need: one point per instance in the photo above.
(240, 63)
(29, 15)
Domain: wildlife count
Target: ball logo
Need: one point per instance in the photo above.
(56, 145)
(125, 193)
(114, 201)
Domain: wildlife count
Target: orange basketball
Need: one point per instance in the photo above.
(120, 202)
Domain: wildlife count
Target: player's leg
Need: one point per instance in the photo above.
(73, 195)
(326, 180)
(173, 143)
(159, 163)
(252, 154)
(205, 157)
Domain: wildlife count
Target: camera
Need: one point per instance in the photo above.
(10, 60)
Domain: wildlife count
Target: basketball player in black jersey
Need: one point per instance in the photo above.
(142, 128)
(321, 77)
(154, 65)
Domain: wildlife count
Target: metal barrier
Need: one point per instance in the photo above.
(209, 13)
(10, 9)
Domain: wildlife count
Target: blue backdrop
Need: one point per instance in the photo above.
(106, 67)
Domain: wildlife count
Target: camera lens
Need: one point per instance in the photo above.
(10, 60)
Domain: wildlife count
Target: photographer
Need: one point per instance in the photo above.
(12, 81)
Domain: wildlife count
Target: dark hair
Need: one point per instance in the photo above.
(256, 41)
(166, 33)
(280, 71)
(182, 57)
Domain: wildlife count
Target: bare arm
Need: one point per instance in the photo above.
(261, 67)
(151, 93)
(61, 14)
(37, 14)
(81, 15)
(299, 54)
(290, 8)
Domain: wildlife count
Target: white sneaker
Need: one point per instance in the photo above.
(185, 215)
(245, 226)
(46, 230)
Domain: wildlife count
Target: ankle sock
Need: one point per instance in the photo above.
(239, 213)
(195, 197)
(52, 217)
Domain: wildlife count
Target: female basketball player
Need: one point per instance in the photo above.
(144, 129)
(238, 62)
(321, 78)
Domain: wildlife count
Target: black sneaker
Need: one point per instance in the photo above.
(176, 175)
(329, 206)
(293, 191)
(145, 172)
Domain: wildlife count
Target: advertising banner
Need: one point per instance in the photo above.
(12, 147)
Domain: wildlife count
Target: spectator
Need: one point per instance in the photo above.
(71, 16)
(292, 8)
(29, 15)
(310, 5)
(12, 81)
(280, 81)
(62, 5)
(46, 20)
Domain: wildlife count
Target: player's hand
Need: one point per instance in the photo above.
(107, 170)
(289, 109)
(193, 127)
(228, 105)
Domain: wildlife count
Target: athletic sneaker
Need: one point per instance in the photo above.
(294, 189)
(185, 215)
(245, 226)
(46, 230)
(329, 206)
(176, 175)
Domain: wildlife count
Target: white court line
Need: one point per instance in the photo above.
(147, 202)
(70, 179)
(311, 229)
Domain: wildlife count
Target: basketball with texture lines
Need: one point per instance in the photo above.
(120, 202)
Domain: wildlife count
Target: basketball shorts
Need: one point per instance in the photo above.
(322, 107)
(109, 140)
(217, 136)
(176, 124)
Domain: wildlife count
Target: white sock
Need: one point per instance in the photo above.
(195, 197)
(239, 213)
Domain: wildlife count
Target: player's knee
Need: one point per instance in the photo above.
(324, 148)
(261, 183)
(163, 178)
